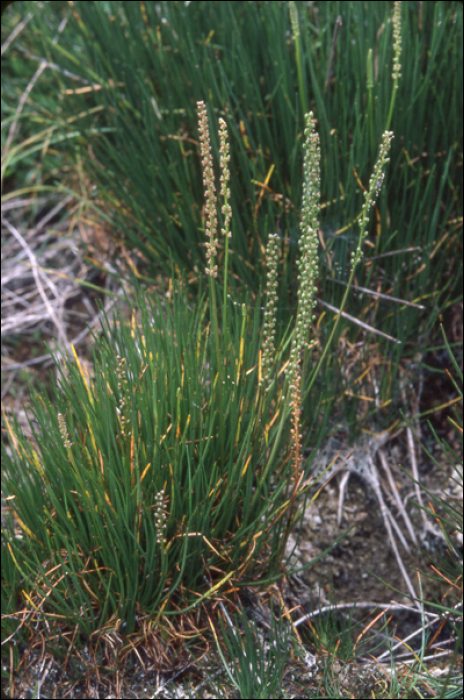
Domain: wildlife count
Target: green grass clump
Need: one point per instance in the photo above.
(169, 473)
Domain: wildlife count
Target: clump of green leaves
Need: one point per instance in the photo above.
(135, 494)
(165, 474)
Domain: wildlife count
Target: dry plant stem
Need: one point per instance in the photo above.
(341, 495)
(27, 92)
(413, 460)
(398, 501)
(67, 346)
(387, 517)
(52, 213)
(396, 528)
(415, 471)
(360, 605)
(369, 474)
(35, 271)
(384, 511)
(17, 30)
(379, 295)
(366, 326)
(419, 631)
(432, 620)
(391, 253)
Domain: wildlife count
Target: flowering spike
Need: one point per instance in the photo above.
(396, 74)
(64, 432)
(160, 517)
(371, 195)
(210, 189)
(270, 309)
(225, 176)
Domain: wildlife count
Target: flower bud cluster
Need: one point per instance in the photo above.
(210, 189)
(267, 348)
(160, 517)
(308, 262)
(296, 415)
(370, 196)
(224, 150)
(294, 20)
(396, 74)
(122, 389)
(64, 432)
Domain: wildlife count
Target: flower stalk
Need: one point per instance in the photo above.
(226, 210)
(210, 191)
(211, 232)
(307, 277)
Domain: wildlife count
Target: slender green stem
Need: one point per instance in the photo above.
(299, 63)
(219, 359)
(370, 90)
(224, 308)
